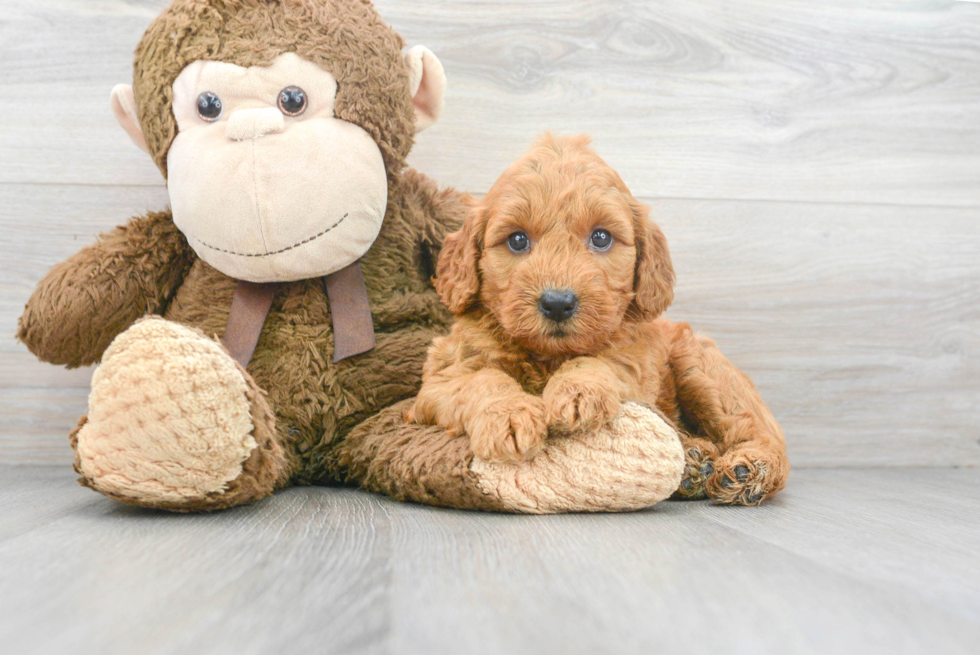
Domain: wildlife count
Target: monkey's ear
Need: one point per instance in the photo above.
(427, 83)
(124, 107)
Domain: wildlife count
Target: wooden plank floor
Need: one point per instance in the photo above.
(844, 561)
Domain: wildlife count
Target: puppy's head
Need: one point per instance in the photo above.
(559, 252)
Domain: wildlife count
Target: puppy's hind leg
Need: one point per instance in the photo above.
(724, 407)
(699, 466)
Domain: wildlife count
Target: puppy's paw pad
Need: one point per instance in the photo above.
(746, 478)
(699, 458)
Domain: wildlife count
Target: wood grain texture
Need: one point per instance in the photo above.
(843, 562)
(860, 324)
(42, 225)
(857, 320)
(801, 100)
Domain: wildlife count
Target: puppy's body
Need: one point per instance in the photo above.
(558, 279)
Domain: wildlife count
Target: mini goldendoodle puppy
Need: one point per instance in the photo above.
(558, 278)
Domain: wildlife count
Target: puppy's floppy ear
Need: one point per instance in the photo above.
(457, 274)
(654, 281)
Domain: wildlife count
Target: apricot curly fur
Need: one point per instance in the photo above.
(504, 353)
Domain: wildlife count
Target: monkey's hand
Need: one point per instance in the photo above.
(83, 303)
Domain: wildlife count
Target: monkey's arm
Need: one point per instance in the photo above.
(436, 212)
(83, 303)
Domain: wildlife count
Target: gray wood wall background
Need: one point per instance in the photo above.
(815, 165)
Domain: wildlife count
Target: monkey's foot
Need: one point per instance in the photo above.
(633, 462)
(175, 423)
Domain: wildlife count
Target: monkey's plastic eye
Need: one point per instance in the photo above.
(292, 101)
(518, 242)
(209, 106)
(601, 239)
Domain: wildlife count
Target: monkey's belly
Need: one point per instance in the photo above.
(316, 401)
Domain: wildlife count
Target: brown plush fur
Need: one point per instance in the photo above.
(146, 266)
(85, 302)
(506, 373)
(410, 462)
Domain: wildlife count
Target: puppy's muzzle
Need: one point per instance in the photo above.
(558, 304)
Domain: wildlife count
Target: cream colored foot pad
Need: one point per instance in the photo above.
(634, 462)
(168, 416)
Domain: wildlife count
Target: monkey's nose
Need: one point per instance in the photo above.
(558, 304)
(247, 124)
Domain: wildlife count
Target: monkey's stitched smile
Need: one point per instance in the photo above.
(275, 252)
(256, 181)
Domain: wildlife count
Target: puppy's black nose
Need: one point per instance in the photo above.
(558, 305)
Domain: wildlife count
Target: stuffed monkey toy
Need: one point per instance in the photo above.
(270, 328)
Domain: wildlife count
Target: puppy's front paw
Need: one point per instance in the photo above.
(511, 429)
(576, 405)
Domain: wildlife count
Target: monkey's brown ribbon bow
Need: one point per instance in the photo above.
(353, 327)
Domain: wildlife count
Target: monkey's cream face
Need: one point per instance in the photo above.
(265, 182)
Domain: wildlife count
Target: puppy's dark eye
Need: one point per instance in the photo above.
(209, 106)
(600, 240)
(292, 101)
(518, 242)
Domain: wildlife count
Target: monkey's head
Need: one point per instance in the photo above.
(279, 125)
